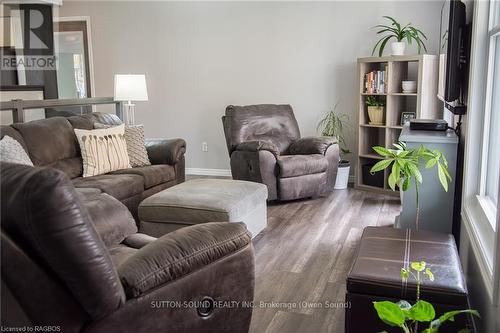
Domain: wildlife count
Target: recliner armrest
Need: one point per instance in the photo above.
(179, 253)
(163, 151)
(311, 145)
(257, 145)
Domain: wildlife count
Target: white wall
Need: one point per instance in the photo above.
(200, 57)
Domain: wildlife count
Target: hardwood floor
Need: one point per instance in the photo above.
(304, 255)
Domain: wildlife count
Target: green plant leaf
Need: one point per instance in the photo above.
(382, 46)
(442, 178)
(450, 316)
(390, 313)
(429, 274)
(419, 266)
(430, 163)
(406, 183)
(422, 311)
(382, 151)
(381, 165)
(392, 180)
(415, 172)
(429, 330)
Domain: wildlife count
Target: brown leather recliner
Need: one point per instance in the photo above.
(265, 146)
(72, 261)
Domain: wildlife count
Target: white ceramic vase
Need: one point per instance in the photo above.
(398, 48)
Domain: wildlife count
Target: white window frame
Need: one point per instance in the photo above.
(480, 219)
(489, 207)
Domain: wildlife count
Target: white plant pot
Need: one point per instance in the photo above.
(342, 177)
(398, 48)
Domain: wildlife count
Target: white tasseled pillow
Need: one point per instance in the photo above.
(103, 150)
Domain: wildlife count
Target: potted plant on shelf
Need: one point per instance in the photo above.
(333, 125)
(375, 110)
(404, 164)
(408, 33)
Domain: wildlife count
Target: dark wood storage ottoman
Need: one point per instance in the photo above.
(375, 276)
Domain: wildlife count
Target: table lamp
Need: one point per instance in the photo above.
(128, 88)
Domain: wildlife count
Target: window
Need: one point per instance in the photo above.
(482, 144)
(490, 166)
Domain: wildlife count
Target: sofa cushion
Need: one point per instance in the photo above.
(265, 122)
(153, 174)
(180, 253)
(72, 167)
(118, 186)
(299, 165)
(42, 212)
(111, 219)
(48, 140)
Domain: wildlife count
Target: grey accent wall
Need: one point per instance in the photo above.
(199, 57)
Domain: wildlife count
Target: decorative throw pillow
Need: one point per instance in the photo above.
(103, 150)
(134, 136)
(12, 151)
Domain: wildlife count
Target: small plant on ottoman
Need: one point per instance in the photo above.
(406, 316)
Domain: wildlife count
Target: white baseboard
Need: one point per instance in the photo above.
(227, 173)
(208, 172)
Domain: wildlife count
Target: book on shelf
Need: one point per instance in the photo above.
(376, 81)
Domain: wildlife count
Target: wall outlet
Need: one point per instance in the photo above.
(204, 146)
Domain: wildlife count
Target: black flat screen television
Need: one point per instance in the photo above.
(452, 55)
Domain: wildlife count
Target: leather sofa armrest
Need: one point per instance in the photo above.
(255, 146)
(180, 253)
(311, 145)
(163, 151)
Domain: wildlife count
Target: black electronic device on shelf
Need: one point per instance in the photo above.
(428, 125)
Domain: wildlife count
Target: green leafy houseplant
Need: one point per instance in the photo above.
(375, 108)
(333, 124)
(372, 101)
(406, 316)
(395, 30)
(404, 164)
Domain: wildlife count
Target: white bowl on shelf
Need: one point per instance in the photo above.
(409, 86)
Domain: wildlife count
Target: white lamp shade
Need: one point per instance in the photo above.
(130, 87)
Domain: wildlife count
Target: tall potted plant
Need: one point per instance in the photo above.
(333, 124)
(407, 33)
(404, 164)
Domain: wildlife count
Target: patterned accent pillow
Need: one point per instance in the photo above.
(136, 148)
(12, 151)
(103, 150)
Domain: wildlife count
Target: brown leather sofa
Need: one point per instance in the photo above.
(51, 142)
(72, 260)
(265, 146)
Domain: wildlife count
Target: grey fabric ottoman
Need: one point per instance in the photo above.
(204, 200)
